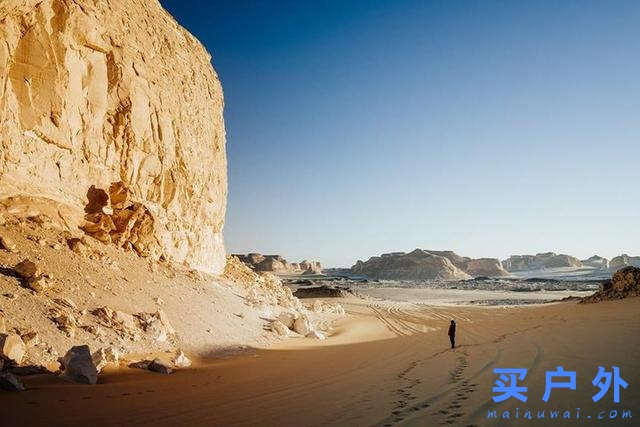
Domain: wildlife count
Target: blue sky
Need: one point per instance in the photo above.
(486, 127)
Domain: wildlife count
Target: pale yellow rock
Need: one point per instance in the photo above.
(7, 244)
(94, 93)
(12, 347)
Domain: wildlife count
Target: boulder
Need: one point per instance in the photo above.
(181, 360)
(39, 283)
(7, 244)
(280, 328)
(160, 366)
(104, 356)
(12, 348)
(302, 325)
(10, 382)
(287, 318)
(27, 269)
(100, 93)
(78, 365)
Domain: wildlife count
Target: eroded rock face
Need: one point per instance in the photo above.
(416, 265)
(624, 260)
(491, 267)
(596, 262)
(277, 264)
(428, 264)
(540, 261)
(96, 94)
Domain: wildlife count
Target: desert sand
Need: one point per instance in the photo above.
(385, 364)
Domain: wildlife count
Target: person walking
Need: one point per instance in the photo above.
(452, 333)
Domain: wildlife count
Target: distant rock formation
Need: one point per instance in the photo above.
(277, 264)
(491, 267)
(416, 265)
(596, 262)
(539, 262)
(95, 93)
(624, 283)
(624, 260)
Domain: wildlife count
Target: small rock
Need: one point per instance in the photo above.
(10, 382)
(317, 306)
(42, 242)
(7, 244)
(302, 325)
(159, 301)
(66, 302)
(78, 365)
(27, 269)
(66, 323)
(77, 246)
(38, 284)
(280, 328)
(12, 348)
(316, 334)
(181, 360)
(288, 318)
(104, 356)
(10, 296)
(160, 366)
(31, 338)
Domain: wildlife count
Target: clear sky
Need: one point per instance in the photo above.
(486, 127)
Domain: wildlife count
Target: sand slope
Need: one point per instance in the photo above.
(386, 365)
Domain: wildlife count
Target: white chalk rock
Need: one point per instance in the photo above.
(12, 347)
(105, 356)
(287, 318)
(181, 360)
(316, 334)
(302, 325)
(280, 328)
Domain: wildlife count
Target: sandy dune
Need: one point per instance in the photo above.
(387, 364)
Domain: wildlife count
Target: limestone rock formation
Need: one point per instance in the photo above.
(490, 267)
(539, 262)
(624, 260)
(624, 283)
(416, 265)
(277, 264)
(428, 267)
(111, 117)
(596, 262)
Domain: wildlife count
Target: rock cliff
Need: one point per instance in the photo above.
(596, 262)
(277, 264)
(416, 265)
(624, 260)
(111, 115)
(539, 262)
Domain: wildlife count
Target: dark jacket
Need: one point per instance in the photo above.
(452, 329)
